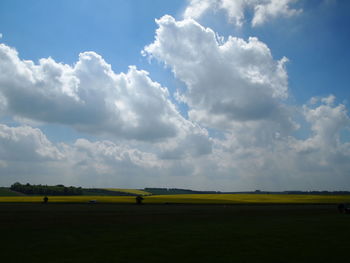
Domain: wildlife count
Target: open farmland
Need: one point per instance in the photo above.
(248, 199)
(56, 233)
(7, 192)
(193, 199)
(129, 191)
(68, 199)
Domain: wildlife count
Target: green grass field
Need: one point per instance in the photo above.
(70, 233)
(192, 199)
(129, 191)
(7, 192)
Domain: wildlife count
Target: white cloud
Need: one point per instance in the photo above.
(88, 96)
(196, 8)
(263, 10)
(18, 144)
(91, 98)
(192, 142)
(236, 87)
(242, 160)
(119, 164)
(0, 35)
(326, 122)
(318, 162)
(228, 82)
(272, 9)
(233, 86)
(27, 155)
(329, 100)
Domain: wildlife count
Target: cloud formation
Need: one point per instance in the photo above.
(326, 120)
(24, 144)
(88, 96)
(27, 155)
(228, 82)
(240, 134)
(263, 10)
(319, 161)
(237, 87)
(238, 161)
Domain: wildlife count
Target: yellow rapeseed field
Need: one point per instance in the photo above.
(68, 199)
(248, 199)
(192, 199)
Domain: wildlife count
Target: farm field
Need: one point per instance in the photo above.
(7, 192)
(172, 233)
(192, 199)
(130, 191)
(248, 199)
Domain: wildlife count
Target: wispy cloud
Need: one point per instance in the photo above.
(263, 10)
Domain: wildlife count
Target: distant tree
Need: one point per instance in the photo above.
(139, 199)
(46, 189)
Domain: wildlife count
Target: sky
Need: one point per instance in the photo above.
(226, 95)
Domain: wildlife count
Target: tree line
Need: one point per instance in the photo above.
(46, 189)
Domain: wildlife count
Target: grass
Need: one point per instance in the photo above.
(129, 191)
(68, 233)
(4, 191)
(192, 199)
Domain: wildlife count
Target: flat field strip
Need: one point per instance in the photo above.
(68, 199)
(249, 199)
(70, 233)
(191, 199)
(7, 192)
(130, 191)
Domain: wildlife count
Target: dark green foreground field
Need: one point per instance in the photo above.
(173, 233)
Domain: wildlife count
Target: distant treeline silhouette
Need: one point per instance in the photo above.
(46, 189)
(176, 191)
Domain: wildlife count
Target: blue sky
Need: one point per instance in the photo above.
(118, 30)
(197, 141)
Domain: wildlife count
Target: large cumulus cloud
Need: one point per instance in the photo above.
(228, 81)
(88, 96)
(237, 87)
